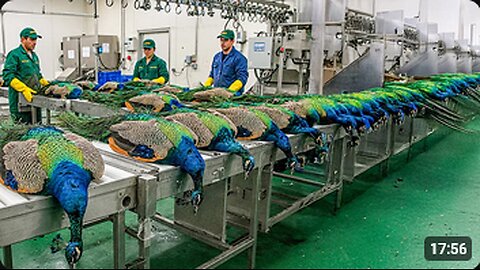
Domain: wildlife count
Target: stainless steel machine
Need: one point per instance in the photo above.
(475, 59)
(81, 52)
(447, 53)
(284, 59)
(464, 56)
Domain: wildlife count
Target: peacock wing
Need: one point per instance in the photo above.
(194, 123)
(249, 126)
(92, 159)
(280, 118)
(156, 101)
(230, 123)
(169, 89)
(135, 133)
(210, 95)
(20, 158)
(297, 108)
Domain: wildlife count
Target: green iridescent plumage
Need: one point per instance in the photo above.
(146, 138)
(48, 161)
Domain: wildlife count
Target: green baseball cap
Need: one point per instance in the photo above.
(227, 34)
(29, 33)
(149, 44)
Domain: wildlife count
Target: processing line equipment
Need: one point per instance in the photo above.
(476, 59)
(464, 57)
(282, 58)
(447, 52)
(245, 204)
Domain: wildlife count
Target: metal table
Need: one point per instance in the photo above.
(326, 182)
(62, 105)
(210, 223)
(224, 178)
(232, 200)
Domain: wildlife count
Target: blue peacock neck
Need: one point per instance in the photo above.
(69, 185)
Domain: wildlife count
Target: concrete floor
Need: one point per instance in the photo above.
(383, 222)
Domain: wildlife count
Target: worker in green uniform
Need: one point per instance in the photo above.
(22, 74)
(151, 67)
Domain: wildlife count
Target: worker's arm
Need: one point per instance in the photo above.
(209, 82)
(163, 74)
(241, 73)
(9, 75)
(44, 82)
(160, 80)
(236, 86)
(10, 68)
(23, 88)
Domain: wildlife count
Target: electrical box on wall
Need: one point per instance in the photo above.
(260, 52)
(241, 37)
(131, 44)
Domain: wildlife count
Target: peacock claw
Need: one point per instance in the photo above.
(196, 201)
(320, 140)
(295, 167)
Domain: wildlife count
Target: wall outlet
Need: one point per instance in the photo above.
(190, 59)
(131, 44)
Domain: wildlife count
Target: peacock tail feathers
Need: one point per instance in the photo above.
(93, 128)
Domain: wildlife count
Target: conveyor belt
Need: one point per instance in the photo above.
(24, 217)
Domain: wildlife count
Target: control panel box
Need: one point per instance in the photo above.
(260, 52)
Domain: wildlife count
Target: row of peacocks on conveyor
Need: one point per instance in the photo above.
(170, 125)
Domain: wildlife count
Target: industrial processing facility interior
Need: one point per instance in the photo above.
(289, 134)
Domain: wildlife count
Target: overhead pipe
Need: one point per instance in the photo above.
(318, 47)
(4, 42)
(95, 16)
(71, 14)
(123, 35)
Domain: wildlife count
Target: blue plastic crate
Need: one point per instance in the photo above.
(109, 76)
(127, 78)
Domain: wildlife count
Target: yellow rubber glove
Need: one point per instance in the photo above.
(44, 82)
(236, 86)
(209, 82)
(23, 88)
(136, 79)
(160, 80)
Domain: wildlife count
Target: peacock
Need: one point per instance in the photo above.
(63, 90)
(154, 102)
(45, 160)
(86, 85)
(215, 132)
(146, 138)
(253, 124)
(289, 122)
(215, 94)
(205, 94)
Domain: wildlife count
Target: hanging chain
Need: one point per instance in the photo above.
(235, 10)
